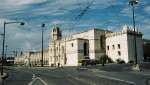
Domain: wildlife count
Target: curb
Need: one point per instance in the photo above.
(4, 76)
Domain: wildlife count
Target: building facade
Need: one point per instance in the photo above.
(35, 58)
(68, 51)
(22, 59)
(121, 45)
(93, 44)
(32, 58)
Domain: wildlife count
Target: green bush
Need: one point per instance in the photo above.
(131, 62)
(80, 61)
(109, 60)
(83, 62)
(120, 61)
(105, 59)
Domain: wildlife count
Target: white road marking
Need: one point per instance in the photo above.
(42, 81)
(37, 78)
(32, 82)
(108, 77)
(112, 78)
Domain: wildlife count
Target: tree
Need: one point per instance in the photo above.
(105, 59)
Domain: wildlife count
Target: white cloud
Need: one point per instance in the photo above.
(23, 2)
(18, 38)
(57, 12)
(126, 11)
(147, 9)
(57, 22)
(20, 2)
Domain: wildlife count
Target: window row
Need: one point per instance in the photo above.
(113, 47)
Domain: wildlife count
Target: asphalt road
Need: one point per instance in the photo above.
(72, 76)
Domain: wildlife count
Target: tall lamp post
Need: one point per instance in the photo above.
(133, 3)
(43, 25)
(6, 51)
(21, 23)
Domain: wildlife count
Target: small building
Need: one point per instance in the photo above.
(121, 45)
(146, 48)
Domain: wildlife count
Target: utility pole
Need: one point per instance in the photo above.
(6, 51)
(3, 49)
(133, 3)
(43, 25)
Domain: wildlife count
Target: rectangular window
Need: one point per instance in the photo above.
(118, 46)
(107, 47)
(113, 46)
(119, 53)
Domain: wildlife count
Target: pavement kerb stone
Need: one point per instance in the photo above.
(4, 76)
(43, 67)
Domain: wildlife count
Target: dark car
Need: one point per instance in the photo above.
(85, 62)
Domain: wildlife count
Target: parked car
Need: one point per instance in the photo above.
(85, 62)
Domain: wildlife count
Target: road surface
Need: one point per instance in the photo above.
(74, 76)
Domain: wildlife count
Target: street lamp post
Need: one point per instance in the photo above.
(3, 47)
(133, 3)
(6, 51)
(43, 25)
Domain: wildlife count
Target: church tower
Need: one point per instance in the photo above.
(56, 33)
(54, 46)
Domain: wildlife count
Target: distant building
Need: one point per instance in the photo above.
(35, 58)
(120, 45)
(32, 58)
(22, 59)
(9, 61)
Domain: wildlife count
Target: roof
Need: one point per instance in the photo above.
(90, 30)
(76, 39)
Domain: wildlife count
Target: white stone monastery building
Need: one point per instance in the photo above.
(93, 43)
(121, 45)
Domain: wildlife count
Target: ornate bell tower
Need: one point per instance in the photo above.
(54, 46)
(56, 33)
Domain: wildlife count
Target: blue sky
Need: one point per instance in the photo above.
(104, 14)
